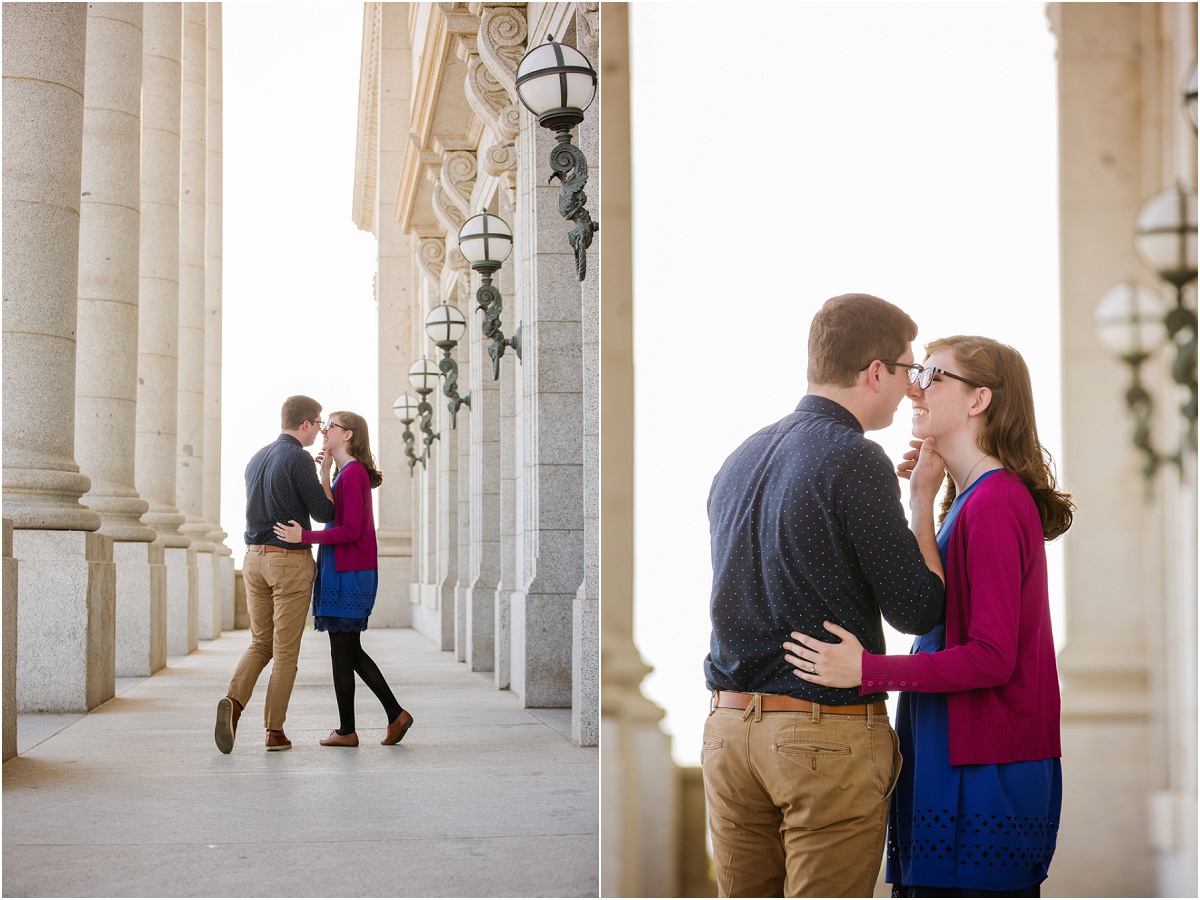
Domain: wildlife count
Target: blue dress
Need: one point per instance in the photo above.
(342, 601)
(974, 827)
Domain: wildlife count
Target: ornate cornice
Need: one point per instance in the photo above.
(458, 173)
(431, 256)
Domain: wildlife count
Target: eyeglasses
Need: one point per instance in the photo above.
(892, 362)
(320, 423)
(923, 377)
(336, 425)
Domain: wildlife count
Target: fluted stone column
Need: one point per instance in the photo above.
(106, 376)
(182, 635)
(43, 135)
(445, 462)
(65, 640)
(158, 313)
(223, 556)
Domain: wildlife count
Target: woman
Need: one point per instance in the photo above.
(976, 808)
(347, 574)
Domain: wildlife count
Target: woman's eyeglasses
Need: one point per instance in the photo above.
(923, 378)
(329, 425)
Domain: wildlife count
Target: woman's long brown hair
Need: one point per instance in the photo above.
(1009, 431)
(360, 443)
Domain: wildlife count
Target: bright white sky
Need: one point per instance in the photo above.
(299, 311)
(787, 153)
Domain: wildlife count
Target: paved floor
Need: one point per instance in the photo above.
(482, 799)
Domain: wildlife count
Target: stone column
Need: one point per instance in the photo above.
(462, 556)
(158, 314)
(484, 495)
(445, 573)
(65, 641)
(1104, 58)
(585, 624)
(183, 633)
(222, 555)
(640, 802)
(10, 644)
(550, 541)
(43, 127)
(107, 362)
(508, 511)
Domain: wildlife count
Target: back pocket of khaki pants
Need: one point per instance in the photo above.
(810, 753)
(710, 744)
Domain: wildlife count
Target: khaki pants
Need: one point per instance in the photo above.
(798, 801)
(278, 594)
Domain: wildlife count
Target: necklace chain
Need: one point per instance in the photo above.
(967, 480)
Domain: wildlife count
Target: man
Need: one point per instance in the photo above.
(281, 485)
(807, 526)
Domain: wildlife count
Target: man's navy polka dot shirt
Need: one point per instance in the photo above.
(806, 525)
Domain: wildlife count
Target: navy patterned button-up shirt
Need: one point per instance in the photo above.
(806, 525)
(281, 485)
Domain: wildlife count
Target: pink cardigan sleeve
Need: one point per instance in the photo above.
(989, 596)
(353, 491)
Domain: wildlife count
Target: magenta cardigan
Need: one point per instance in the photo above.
(353, 528)
(998, 669)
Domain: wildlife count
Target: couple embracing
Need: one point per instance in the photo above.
(804, 774)
(283, 494)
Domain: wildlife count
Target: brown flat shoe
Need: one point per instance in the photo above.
(340, 740)
(277, 740)
(397, 729)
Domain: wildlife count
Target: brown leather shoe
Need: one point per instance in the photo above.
(398, 728)
(340, 740)
(228, 712)
(277, 740)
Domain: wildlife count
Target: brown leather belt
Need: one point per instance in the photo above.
(784, 703)
(259, 548)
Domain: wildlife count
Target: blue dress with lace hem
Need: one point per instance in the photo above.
(987, 828)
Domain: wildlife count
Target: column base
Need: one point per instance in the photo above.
(67, 609)
(502, 629)
(1102, 840)
(183, 600)
(585, 672)
(225, 580)
(141, 608)
(393, 604)
(541, 649)
(208, 623)
(459, 605)
(481, 629)
(10, 644)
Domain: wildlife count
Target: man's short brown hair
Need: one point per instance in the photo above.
(850, 331)
(297, 410)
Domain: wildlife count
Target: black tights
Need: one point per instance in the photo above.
(345, 649)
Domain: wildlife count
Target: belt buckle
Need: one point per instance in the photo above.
(712, 702)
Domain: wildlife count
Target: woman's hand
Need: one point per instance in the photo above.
(289, 532)
(833, 665)
(325, 461)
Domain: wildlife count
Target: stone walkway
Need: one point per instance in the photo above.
(482, 799)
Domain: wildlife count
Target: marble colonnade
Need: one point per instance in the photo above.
(493, 540)
(99, 472)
